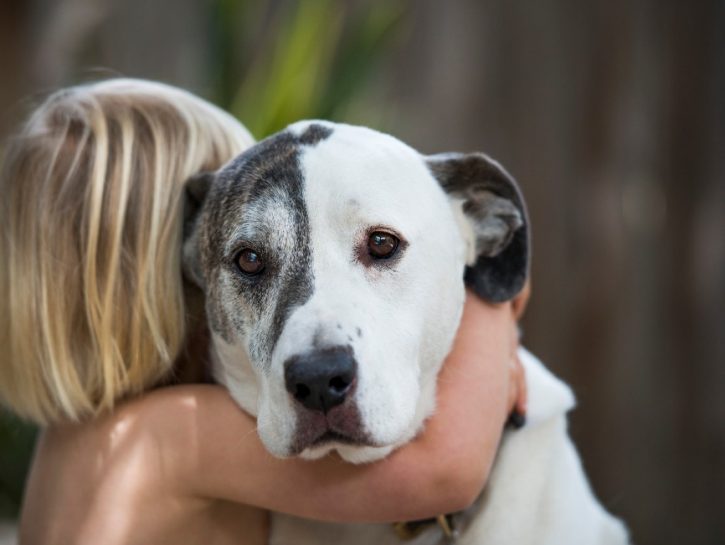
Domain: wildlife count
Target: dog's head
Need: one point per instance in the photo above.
(333, 261)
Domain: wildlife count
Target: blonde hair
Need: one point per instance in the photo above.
(91, 206)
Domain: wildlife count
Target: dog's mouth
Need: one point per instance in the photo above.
(327, 437)
(341, 425)
(331, 436)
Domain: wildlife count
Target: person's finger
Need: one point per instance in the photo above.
(522, 397)
(518, 394)
(521, 300)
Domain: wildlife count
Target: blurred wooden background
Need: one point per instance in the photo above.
(610, 113)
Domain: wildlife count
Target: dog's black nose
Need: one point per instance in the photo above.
(320, 380)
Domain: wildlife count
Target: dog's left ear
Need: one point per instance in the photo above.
(494, 209)
(196, 190)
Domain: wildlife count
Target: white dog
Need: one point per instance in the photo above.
(333, 261)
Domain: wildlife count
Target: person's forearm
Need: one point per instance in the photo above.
(441, 470)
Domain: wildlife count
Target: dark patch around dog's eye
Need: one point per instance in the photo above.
(382, 245)
(249, 262)
(269, 171)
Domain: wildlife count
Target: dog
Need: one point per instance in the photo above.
(334, 260)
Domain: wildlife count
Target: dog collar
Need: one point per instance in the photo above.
(412, 529)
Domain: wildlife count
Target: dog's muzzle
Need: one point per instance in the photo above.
(322, 384)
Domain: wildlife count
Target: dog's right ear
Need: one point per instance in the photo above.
(195, 192)
(495, 213)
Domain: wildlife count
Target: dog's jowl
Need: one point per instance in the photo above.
(334, 259)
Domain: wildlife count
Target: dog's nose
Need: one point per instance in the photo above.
(321, 380)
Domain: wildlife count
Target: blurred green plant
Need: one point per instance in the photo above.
(320, 61)
(16, 446)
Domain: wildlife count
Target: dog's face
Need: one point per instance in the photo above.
(332, 258)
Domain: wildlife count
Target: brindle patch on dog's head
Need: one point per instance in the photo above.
(243, 206)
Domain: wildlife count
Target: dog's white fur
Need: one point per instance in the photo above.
(354, 180)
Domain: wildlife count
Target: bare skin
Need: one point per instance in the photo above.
(184, 465)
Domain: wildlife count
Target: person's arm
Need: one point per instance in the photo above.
(442, 470)
(176, 449)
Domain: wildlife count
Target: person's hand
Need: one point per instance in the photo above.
(518, 397)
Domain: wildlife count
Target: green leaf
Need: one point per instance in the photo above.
(16, 446)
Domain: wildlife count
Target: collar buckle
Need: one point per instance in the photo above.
(407, 531)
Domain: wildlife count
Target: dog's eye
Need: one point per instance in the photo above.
(249, 262)
(382, 245)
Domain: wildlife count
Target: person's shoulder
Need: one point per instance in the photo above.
(122, 471)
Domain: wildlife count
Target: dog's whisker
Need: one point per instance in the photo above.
(246, 436)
